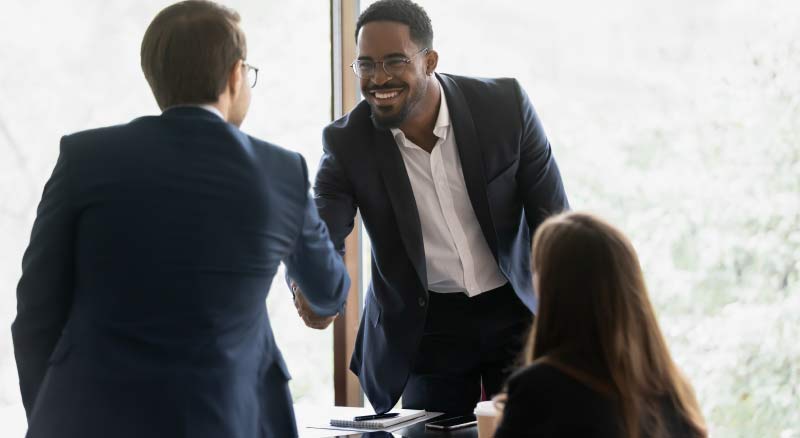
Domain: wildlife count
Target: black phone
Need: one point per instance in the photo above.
(452, 422)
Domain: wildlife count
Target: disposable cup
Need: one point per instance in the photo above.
(486, 414)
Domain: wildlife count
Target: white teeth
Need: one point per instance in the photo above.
(390, 95)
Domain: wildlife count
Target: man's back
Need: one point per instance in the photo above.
(180, 205)
(155, 246)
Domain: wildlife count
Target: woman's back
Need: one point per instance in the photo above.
(544, 401)
(595, 315)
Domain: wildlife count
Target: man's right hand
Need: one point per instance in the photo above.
(310, 318)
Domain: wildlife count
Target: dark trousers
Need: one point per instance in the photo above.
(467, 342)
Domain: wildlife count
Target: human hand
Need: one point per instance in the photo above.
(310, 318)
(499, 402)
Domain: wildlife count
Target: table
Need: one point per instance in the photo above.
(305, 415)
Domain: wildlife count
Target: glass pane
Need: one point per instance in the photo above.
(677, 121)
(68, 68)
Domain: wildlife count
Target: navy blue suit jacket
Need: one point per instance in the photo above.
(141, 307)
(513, 184)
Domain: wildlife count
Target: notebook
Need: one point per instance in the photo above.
(344, 418)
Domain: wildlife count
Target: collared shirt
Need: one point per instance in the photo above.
(207, 107)
(457, 256)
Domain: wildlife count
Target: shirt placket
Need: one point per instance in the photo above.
(445, 198)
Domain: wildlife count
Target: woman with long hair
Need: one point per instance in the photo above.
(596, 362)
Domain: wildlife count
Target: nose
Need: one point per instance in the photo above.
(380, 77)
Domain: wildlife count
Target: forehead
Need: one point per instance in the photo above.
(380, 38)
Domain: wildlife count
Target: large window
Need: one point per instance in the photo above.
(679, 122)
(68, 67)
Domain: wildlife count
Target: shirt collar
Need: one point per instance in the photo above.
(210, 108)
(440, 129)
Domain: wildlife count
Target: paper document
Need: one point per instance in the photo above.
(344, 417)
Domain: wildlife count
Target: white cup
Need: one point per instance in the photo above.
(487, 419)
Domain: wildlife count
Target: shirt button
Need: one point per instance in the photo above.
(421, 302)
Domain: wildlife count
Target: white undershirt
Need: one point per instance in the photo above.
(457, 256)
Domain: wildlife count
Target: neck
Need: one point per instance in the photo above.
(222, 107)
(419, 127)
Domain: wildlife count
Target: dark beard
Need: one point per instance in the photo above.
(391, 121)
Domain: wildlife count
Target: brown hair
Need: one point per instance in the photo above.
(595, 315)
(188, 52)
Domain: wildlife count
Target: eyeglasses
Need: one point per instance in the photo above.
(252, 74)
(392, 66)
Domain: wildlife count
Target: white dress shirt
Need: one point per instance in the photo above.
(457, 256)
(207, 107)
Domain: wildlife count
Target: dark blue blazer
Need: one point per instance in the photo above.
(141, 307)
(512, 181)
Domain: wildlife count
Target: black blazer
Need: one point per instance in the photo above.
(513, 184)
(141, 308)
(544, 402)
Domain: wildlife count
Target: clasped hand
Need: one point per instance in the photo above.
(310, 318)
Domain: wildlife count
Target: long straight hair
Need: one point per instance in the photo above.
(594, 306)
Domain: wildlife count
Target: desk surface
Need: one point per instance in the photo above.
(414, 431)
(306, 415)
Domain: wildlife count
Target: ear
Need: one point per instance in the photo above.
(431, 61)
(235, 78)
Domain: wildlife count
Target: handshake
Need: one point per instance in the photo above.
(304, 310)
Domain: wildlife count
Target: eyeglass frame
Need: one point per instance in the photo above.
(406, 61)
(251, 67)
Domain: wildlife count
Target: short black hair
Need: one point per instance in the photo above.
(400, 11)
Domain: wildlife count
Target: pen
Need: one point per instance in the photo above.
(376, 416)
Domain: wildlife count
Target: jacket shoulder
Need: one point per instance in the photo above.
(274, 150)
(88, 137)
(483, 87)
(352, 128)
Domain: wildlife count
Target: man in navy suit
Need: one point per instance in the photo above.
(451, 176)
(141, 307)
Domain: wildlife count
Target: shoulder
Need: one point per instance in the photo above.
(278, 161)
(482, 88)
(496, 104)
(82, 140)
(550, 381)
(273, 150)
(543, 398)
(352, 126)
(537, 375)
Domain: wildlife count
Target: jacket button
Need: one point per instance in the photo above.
(421, 302)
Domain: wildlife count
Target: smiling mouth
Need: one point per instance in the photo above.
(385, 96)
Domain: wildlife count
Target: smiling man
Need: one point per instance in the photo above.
(451, 176)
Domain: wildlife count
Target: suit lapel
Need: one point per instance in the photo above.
(401, 195)
(471, 157)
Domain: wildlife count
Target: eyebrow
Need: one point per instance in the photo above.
(391, 55)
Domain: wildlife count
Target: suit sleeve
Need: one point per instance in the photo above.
(538, 176)
(314, 264)
(335, 198)
(45, 291)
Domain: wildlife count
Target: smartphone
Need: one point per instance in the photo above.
(452, 422)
